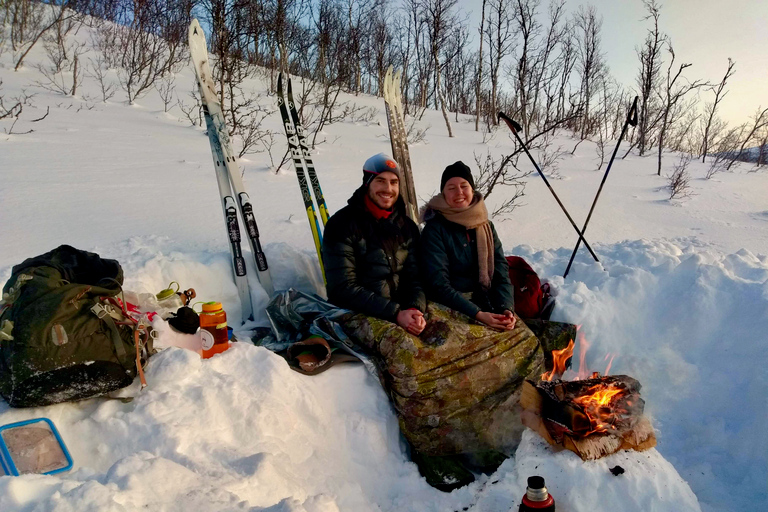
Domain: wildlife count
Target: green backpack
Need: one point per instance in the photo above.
(63, 336)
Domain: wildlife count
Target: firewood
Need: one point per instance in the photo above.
(549, 409)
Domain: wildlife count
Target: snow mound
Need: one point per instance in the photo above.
(243, 431)
(648, 482)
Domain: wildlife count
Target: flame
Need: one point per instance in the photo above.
(601, 401)
(560, 358)
(600, 397)
(599, 408)
(608, 368)
(584, 372)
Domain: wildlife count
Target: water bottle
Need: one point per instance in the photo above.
(213, 329)
(536, 498)
(168, 301)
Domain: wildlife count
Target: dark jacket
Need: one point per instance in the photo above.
(371, 265)
(450, 268)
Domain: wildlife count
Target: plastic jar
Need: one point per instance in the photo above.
(213, 329)
(168, 301)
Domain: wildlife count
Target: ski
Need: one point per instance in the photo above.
(231, 190)
(309, 165)
(407, 171)
(399, 140)
(297, 155)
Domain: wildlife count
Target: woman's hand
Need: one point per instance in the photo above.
(503, 322)
(511, 316)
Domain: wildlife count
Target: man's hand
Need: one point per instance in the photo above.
(503, 322)
(412, 320)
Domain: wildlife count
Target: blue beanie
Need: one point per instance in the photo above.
(378, 164)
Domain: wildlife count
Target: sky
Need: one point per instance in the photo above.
(703, 32)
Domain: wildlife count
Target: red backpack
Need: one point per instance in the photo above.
(532, 299)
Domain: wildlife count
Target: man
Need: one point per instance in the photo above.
(371, 268)
(369, 251)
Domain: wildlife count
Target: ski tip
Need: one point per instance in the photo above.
(195, 34)
(194, 27)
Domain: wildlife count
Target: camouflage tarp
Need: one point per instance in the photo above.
(455, 387)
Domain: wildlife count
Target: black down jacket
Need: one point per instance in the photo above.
(371, 265)
(450, 269)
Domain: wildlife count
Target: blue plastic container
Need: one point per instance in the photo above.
(21, 441)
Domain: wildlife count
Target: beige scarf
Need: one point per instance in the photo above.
(474, 216)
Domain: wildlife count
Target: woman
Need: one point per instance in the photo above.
(462, 257)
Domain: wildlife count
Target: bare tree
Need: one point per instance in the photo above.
(507, 172)
(63, 72)
(479, 77)
(565, 62)
(192, 111)
(166, 88)
(140, 45)
(439, 18)
(380, 45)
(762, 152)
(590, 60)
(525, 19)
(759, 122)
(544, 83)
(649, 76)
(684, 136)
(678, 182)
(10, 108)
(30, 20)
(98, 70)
(723, 153)
(500, 41)
(404, 51)
(458, 70)
(671, 98)
(711, 109)
(493, 172)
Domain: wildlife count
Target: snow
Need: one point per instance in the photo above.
(680, 297)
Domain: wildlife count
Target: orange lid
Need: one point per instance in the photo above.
(211, 307)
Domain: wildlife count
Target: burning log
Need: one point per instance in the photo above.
(592, 417)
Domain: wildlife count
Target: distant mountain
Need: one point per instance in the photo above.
(751, 154)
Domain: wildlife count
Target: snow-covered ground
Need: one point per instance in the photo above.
(680, 298)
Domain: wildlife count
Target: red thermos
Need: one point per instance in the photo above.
(536, 498)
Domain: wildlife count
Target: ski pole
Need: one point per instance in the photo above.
(631, 120)
(515, 128)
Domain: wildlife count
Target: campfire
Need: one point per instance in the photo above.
(592, 415)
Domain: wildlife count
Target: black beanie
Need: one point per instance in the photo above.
(460, 170)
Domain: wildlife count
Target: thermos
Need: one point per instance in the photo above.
(536, 498)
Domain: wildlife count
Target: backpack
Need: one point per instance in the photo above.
(63, 334)
(532, 299)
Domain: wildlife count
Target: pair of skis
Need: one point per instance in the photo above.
(399, 140)
(302, 162)
(233, 195)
